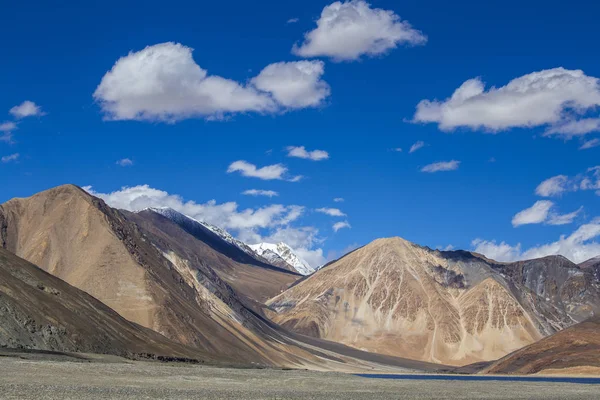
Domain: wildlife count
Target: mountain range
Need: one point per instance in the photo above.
(159, 282)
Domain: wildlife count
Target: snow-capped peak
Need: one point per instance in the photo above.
(282, 250)
(179, 218)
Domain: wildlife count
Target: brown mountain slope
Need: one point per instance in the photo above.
(254, 280)
(81, 240)
(39, 311)
(160, 281)
(397, 298)
(575, 350)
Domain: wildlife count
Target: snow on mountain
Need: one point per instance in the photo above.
(282, 250)
(179, 218)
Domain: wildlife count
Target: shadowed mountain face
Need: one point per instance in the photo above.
(575, 350)
(593, 266)
(81, 240)
(39, 311)
(153, 272)
(397, 298)
(182, 238)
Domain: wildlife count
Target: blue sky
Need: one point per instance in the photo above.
(254, 85)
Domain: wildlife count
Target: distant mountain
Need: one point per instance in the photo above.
(283, 251)
(592, 265)
(41, 312)
(573, 351)
(203, 229)
(394, 297)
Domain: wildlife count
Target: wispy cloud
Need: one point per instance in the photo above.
(293, 20)
(258, 192)
(12, 157)
(339, 200)
(301, 152)
(559, 184)
(334, 212)
(441, 166)
(418, 145)
(590, 144)
(341, 225)
(269, 172)
(543, 212)
(125, 162)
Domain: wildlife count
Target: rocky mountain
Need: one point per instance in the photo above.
(39, 311)
(394, 297)
(575, 350)
(593, 266)
(189, 287)
(281, 251)
(222, 239)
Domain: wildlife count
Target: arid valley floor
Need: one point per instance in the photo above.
(110, 377)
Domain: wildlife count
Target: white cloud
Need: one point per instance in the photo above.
(294, 84)
(557, 185)
(164, 83)
(271, 223)
(570, 128)
(341, 225)
(12, 157)
(125, 162)
(26, 109)
(536, 99)
(418, 145)
(577, 247)
(293, 20)
(553, 186)
(535, 214)
(397, 149)
(301, 152)
(499, 252)
(590, 144)
(542, 212)
(563, 219)
(7, 128)
(441, 166)
(338, 200)
(269, 172)
(258, 192)
(346, 31)
(333, 212)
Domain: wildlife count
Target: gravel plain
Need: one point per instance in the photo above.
(115, 379)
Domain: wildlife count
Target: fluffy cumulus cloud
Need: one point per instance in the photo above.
(269, 172)
(560, 184)
(26, 109)
(441, 166)
(294, 84)
(570, 127)
(258, 192)
(333, 212)
(301, 152)
(348, 30)
(553, 98)
(579, 246)
(12, 157)
(271, 223)
(164, 83)
(341, 225)
(416, 146)
(543, 212)
(125, 162)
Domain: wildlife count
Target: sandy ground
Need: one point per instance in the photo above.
(114, 379)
